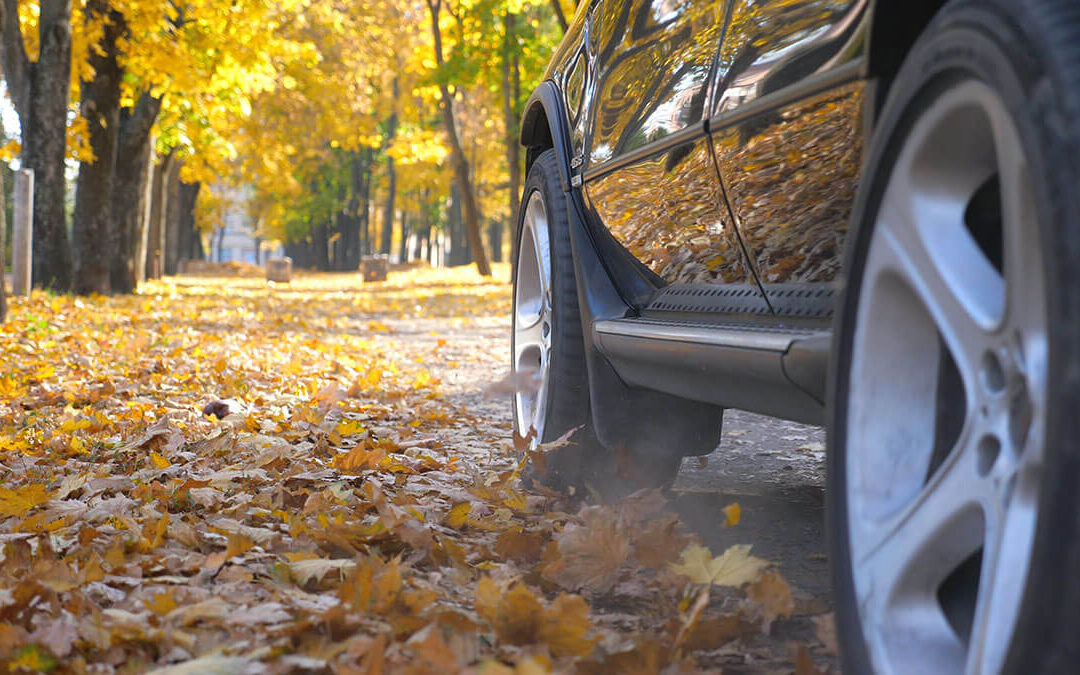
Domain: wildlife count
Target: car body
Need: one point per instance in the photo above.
(862, 214)
(695, 222)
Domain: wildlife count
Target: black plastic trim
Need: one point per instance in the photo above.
(724, 366)
(545, 99)
(633, 419)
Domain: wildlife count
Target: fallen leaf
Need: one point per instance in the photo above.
(732, 514)
(825, 628)
(19, 501)
(734, 568)
(769, 598)
(804, 665)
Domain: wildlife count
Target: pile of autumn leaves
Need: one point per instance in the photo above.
(225, 476)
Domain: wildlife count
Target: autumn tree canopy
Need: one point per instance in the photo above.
(341, 130)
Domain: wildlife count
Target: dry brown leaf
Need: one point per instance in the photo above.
(522, 546)
(660, 542)
(825, 627)
(769, 598)
(804, 665)
(590, 554)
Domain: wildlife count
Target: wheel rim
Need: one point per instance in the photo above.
(532, 318)
(947, 396)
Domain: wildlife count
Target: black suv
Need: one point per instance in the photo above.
(857, 213)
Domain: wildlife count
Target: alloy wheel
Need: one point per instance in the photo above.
(532, 318)
(947, 394)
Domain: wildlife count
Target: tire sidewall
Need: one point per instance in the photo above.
(981, 41)
(567, 393)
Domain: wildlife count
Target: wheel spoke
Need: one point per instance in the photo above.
(902, 564)
(954, 492)
(1025, 305)
(947, 272)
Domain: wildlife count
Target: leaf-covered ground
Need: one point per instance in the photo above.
(221, 475)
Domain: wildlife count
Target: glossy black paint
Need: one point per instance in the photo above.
(778, 83)
(707, 144)
(787, 128)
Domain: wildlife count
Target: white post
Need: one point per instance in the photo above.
(23, 232)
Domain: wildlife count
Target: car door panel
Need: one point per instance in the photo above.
(667, 211)
(786, 126)
(650, 177)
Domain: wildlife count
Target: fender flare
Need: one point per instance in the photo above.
(544, 125)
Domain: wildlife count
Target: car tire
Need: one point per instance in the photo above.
(954, 532)
(546, 338)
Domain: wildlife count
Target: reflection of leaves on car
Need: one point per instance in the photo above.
(791, 181)
(672, 219)
(645, 71)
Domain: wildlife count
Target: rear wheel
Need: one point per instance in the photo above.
(954, 532)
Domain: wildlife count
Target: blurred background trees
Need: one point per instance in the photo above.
(338, 130)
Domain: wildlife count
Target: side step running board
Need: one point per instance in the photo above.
(767, 369)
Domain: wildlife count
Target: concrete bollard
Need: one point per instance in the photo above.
(375, 267)
(22, 237)
(279, 270)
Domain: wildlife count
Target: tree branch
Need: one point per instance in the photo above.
(559, 16)
(15, 62)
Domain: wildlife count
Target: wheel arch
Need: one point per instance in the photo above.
(544, 127)
(623, 417)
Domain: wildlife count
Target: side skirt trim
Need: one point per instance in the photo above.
(730, 365)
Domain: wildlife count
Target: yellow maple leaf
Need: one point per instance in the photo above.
(458, 515)
(33, 658)
(159, 461)
(350, 428)
(19, 501)
(734, 567)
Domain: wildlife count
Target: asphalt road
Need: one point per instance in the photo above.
(775, 470)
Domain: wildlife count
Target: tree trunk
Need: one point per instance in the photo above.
(457, 153)
(511, 92)
(364, 202)
(190, 241)
(319, 243)
(391, 180)
(495, 232)
(40, 92)
(300, 252)
(3, 250)
(92, 220)
(129, 192)
(358, 175)
(155, 247)
(171, 223)
(403, 245)
(556, 7)
(459, 248)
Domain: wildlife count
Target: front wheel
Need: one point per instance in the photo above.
(548, 348)
(954, 528)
